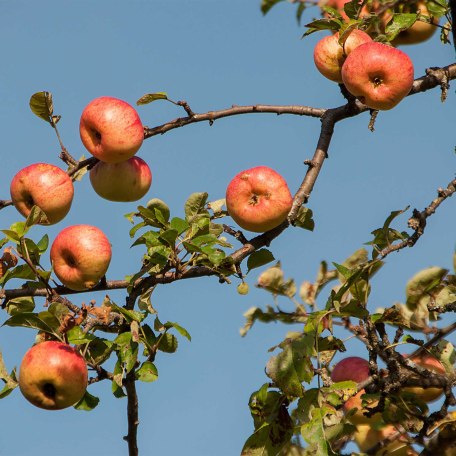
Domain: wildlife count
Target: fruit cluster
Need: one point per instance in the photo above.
(377, 73)
(53, 375)
(371, 428)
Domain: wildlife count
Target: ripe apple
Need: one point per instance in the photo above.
(329, 55)
(80, 256)
(111, 129)
(126, 181)
(420, 31)
(356, 369)
(378, 74)
(434, 365)
(43, 185)
(53, 375)
(258, 199)
(352, 368)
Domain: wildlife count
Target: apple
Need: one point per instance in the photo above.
(258, 199)
(379, 75)
(420, 31)
(126, 181)
(111, 129)
(53, 375)
(352, 368)
(80, 256)
(43, 185)
(356, 369)
(366, 437)
(329, 55)
(434, 365)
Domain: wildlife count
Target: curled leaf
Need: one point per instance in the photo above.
(42, 106)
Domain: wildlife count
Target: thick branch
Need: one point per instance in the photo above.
(132, 414)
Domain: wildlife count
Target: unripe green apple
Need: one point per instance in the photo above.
(43, 185)
(80, 256)
(258, 199)
(53, 375)
(127, 181)
(111, 129)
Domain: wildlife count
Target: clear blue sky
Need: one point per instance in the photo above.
(212, 53)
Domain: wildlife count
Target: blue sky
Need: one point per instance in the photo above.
(212, 53)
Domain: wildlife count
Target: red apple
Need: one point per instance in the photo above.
(352, 368)
(111, 129)
(329, 55)
(53, 375)
(126, 181)
(356, 369)
(434, 365)
(43, 185)
(378, 74)
(80, 256)
(258, 199)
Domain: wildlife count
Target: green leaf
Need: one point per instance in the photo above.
(259, 258)
(150, 97)
(195, 205)
(43, 243)
(423, 283)
(385, 236)
(42, 106)
(266, 5)
(44, 321)
(180, 225)
(145, 303)
(147, 372)
(35, 217)
(304, 219)
(99, 350)
(87, 403)
(353, 8)
(182, 331)
(169, 236)
(128, 314)
(156, 204)
(19, 305)
(168, 343)
(291, 367)
(313, 432)
(77, 336)
(16, 231)
(398, 23)
(300, 11)
(322, 24)
(273, 425)
(9, 379)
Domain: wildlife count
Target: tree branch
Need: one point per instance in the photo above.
(132, 413)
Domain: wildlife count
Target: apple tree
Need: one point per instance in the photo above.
(398, 399)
